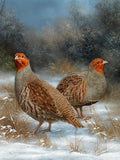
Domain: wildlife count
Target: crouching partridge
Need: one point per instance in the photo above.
(39, 99)
(85, 88)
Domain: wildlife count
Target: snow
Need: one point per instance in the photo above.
(26, 151)
(6, 78)
(61, 137)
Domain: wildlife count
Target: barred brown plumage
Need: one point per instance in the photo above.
(84, 88)
(39, 99)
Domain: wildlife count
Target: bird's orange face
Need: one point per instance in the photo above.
(21, 61)
(98, 65)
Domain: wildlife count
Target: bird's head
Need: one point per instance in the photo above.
(98, 65)
(21, 61)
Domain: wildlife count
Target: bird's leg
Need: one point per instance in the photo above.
(81, 111)
(48, 129)
(82, 116)
(33, 132)
(78, 112)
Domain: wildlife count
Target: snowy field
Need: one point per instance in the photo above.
(63, 142)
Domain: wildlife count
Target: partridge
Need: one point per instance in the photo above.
(84, 88)
(39, 99)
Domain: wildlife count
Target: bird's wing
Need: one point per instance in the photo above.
(73, 87)
(70, 81)
(41, 98)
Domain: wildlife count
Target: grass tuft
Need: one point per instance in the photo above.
(44, 141)
(76, 146)
(100, 146)
(109, 128)
(12, 123)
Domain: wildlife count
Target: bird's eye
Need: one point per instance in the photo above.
(98, 62)
(22, 56)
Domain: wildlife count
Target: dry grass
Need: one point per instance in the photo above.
(105, 130)
(62, 66)
(109, 128)
(44, 141)
(101, 146)
(77, 146)
(11, 125)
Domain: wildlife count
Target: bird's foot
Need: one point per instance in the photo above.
(33, 132)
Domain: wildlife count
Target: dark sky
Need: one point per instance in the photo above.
(38, 13)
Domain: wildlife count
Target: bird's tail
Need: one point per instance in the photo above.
(75, 122)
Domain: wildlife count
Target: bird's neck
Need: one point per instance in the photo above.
(21, 65)
(97, 85)
(95, 77)
(21, 78)
(100, 70)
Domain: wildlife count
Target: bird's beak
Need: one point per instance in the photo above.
(104, 62)
(16, 57)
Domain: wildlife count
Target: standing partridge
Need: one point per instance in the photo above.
(39, 99)
(84, 88)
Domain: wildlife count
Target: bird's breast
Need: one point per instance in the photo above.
(96, 89)
(29, 107)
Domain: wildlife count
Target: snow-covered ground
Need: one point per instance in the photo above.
(62, 138)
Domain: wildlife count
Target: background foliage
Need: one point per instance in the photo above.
(78, 38)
